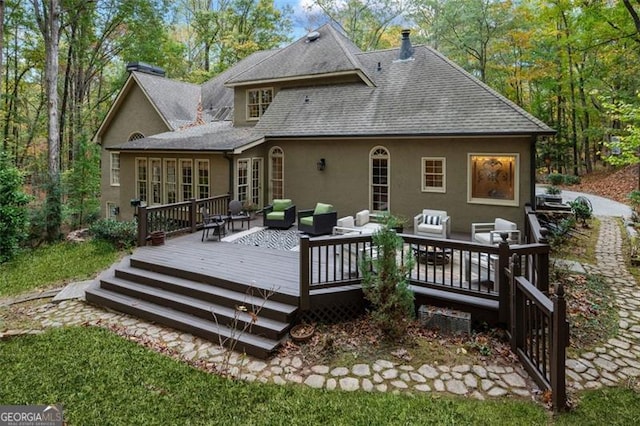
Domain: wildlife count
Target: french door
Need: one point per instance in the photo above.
(249, 181)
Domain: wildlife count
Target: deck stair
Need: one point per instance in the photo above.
(201, 304)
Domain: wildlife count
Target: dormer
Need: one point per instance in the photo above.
(321, 57)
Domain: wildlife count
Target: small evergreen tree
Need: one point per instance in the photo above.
(385, 282)
(13, 209)
(81, 185)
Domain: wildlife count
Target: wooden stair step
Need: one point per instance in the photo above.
(257, 346)
(185, 272)
(269, 308)
(224, 315)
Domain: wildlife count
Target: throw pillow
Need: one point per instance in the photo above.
(431, 220)
(323, 208)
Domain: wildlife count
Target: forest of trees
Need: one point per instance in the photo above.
(572, 64)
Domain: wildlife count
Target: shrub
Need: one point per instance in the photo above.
(385, 283)
(13, 210)
(634, 199)
(121, 234)
(555, 179)
(582, 209)
(571, 180)
(553, 190)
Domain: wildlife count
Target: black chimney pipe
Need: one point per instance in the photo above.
(406, 50)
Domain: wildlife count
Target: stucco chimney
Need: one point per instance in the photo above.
(406, 50)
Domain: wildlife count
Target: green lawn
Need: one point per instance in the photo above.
(101, 378)
(55, 265)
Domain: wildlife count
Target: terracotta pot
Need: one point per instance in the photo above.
(157, 238)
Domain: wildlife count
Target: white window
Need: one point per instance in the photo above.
(115, 169)
(186, 179)
(493, 179)
(379, 179)
(171, 180)
(155, 166)
(242, 180)
(141, 179)
(276, 173)
(202, 167)
(258, 101)
(434, 174)
(135, 136)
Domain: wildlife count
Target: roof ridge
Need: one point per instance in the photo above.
(339, 39)
(172, 80)
(508, 102)
(276, 52)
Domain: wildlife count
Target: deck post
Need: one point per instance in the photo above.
(558, 350)
(304, 303)
(193, 215)
(542, 283)
(142, 225)
(503, 262)
(516, 303)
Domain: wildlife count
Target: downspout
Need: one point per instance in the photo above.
(230, 158)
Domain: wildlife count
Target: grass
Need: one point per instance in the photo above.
(100, 378)
(54, 265)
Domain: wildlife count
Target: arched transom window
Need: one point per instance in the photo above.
(276, 173)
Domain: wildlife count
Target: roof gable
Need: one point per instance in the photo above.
(331, 53)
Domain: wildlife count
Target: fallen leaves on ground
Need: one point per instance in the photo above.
(615, 184)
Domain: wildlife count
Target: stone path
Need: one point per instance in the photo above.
(619, 359)
(616, 361)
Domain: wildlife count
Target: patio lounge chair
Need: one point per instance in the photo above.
(432, 223)
(489, 233)
(281, 213)
(361, 224)
(318, 221)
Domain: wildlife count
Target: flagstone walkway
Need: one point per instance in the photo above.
(616, 361)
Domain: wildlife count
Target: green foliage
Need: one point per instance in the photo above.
(555, 179)
(13, 210)
(553, 190)
(626, 145)
(54, 265)
(581, 209)
(385, 282)
(81, 186)
(634, 199)
(571, 179)
(122, 234)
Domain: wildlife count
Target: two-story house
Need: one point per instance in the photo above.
(394, 130)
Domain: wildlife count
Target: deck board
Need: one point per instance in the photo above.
(258, 267)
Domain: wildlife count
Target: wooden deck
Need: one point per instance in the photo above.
(258, 267)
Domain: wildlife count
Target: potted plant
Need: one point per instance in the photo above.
(553, 195)
(249, 208)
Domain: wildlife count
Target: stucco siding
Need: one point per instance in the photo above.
(345, 181)
(135, 114)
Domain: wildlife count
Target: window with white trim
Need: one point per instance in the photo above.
(186, 179)
(171, 180)
(493, 178)
(379, 179)
(276, 172)
(115, 168)
(135, 136)
(155, 167)
(112, 210)
(242, 179)
(202, 167)
(434, 174)
(141, 179)
(258, 100)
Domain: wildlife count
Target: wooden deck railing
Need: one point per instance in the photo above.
(540, 333)
(178, 217)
